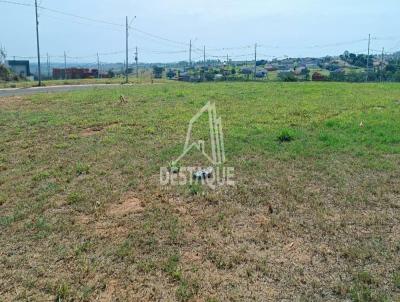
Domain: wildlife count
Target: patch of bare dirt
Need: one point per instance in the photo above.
(96, 130)
(110, 231)
(130, 204)
(108, 294)
(191, 256)
(91, 131)
(82, 219)
(12, 101)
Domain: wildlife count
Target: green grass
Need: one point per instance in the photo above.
(313, 215)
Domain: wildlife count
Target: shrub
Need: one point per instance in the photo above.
(318, 77)
(209, 76)
(111, 74)
(356, 76)
(170, 74)
(338, 76)
(82, 169)
(5, 73)
(285, 136)
(287, 76)
(195, 188)
(74, 198)
(157, 72)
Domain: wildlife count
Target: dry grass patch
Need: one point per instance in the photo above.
(129, 205)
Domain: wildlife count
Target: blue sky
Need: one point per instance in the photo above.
(280, 27)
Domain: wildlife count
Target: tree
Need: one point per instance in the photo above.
(5, 73)
(3, 55)
(287, 76)
(246, 71)
(209, 76)
(337, 76)
(391, 67)
(305, 72)
(261, 63)
(396, 76)
(317, 76)
(111, 73)
(170, 74)
(157, 72)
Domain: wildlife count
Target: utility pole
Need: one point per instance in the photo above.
(98, 66)
(204, 55)
(127, 46)
(227, 60)
(37, 44)
(369, 45)
(255, 60)
(137, 65)
(65, 65)
(190, 53)
(383, 51)
(48, 66)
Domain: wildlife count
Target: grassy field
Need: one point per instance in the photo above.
(313, 218)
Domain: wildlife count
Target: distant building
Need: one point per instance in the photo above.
(74, 73)
(19, 67)
(270, 67)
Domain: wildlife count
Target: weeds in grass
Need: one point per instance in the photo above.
(396, 280)
(125, 249)
(174, 229)
(187, 243)
(7, 220)
(195, 188)
(186, 290)
(172, 267)
(82, 169)
(41, 176)
(146, 266)
(174, 167)
(75, 198)
(366, 289)
(63, 292)
(285, 136)
(40, 226)
(83, 248)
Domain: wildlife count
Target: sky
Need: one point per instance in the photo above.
(162, 29)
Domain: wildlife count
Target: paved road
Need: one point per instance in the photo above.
(63, 88)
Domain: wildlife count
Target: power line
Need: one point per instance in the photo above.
(369, 45)
(255, 60)
(190, 53)
(127, 52)
(47, 15)
(96, 21)
(80, 17)
(158, 52)
(16, 3)
(137, 63)
(158, 37)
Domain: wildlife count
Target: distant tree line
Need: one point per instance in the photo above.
(359, 60)
(5, 73)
